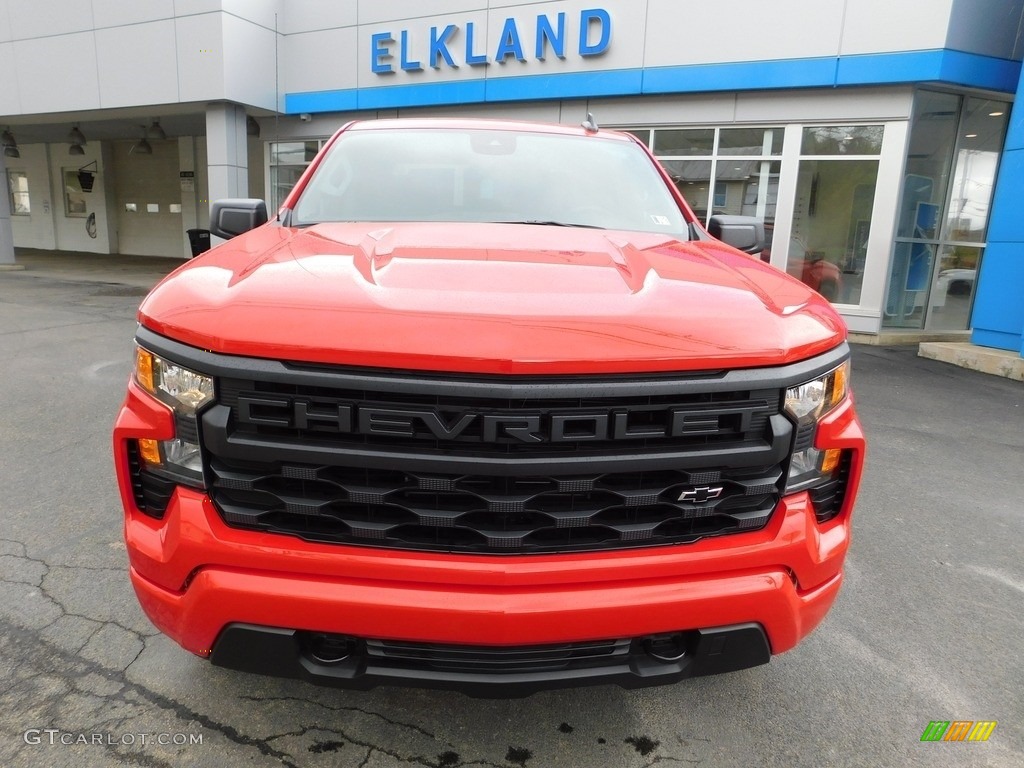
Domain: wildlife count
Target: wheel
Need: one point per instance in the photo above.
(959, 288)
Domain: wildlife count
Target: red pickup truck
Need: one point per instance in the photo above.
(485, 407)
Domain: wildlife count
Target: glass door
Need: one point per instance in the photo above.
(981, 135)
(954, 150)
(835, 193)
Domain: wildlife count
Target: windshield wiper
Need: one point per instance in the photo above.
(542, 223)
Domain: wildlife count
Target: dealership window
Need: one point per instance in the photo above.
(75, 204)
(288, 159)
(835, 193)
(17, 186)
(722, 170)
(952, 158)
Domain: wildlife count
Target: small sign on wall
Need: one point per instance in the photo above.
(188, 181)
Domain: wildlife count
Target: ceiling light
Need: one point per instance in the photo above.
(971, 136)
(76, 138)
(996, 114)
(155, 132)
(76, 149)
(142, 146)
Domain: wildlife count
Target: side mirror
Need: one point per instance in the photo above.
(744, 233)
(230, 218)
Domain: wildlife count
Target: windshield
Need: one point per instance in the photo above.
(486, 175)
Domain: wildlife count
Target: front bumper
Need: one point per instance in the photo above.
(491, 671)
(217, 590)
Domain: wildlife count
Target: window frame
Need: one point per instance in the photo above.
(13, 195)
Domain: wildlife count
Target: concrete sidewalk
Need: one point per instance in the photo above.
(137, 271)
(997, 362)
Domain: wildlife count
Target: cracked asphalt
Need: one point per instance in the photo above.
(929, 624)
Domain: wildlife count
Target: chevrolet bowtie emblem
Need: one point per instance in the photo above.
(701, 494)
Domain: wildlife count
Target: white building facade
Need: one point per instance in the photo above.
(866, 133)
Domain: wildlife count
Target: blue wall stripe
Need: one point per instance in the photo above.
(427, 94)
(610, 82)
(980, 71)
(741, 76)
(938, 66)
(953, 67)
(320, 101)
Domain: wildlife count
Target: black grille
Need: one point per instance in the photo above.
(498, 660)
(479, 513)
(490, 466)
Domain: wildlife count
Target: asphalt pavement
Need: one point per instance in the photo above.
(928, 626)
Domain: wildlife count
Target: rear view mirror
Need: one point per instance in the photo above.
(230, 218)
(744, 233)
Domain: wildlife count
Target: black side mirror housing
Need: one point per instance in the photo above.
(744, 233)
(233, 216)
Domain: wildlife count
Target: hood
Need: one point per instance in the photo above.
(490, 298)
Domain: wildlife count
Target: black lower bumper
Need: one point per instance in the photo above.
(489, 671)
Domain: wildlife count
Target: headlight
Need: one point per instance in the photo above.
(807, 404)
(810, 401)
(186, 392)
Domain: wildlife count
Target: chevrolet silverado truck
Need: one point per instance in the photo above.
(485, 407)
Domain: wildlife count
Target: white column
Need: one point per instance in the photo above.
(189, 194)
(226, 151)
(6, 232)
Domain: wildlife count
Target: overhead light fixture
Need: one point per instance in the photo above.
(9, 144)
(76, 141)
(996, 114)
(971, 136)
(252, 128)
(76, 138)
(155, 132)
(142, 146)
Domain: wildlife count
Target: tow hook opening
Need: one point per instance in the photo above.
(327, 649)
(667, 648)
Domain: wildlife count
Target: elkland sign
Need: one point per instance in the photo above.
(427, 61)
(457, 45)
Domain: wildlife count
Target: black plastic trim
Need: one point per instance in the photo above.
(508, 386)
(282, 653)
(152, 493)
